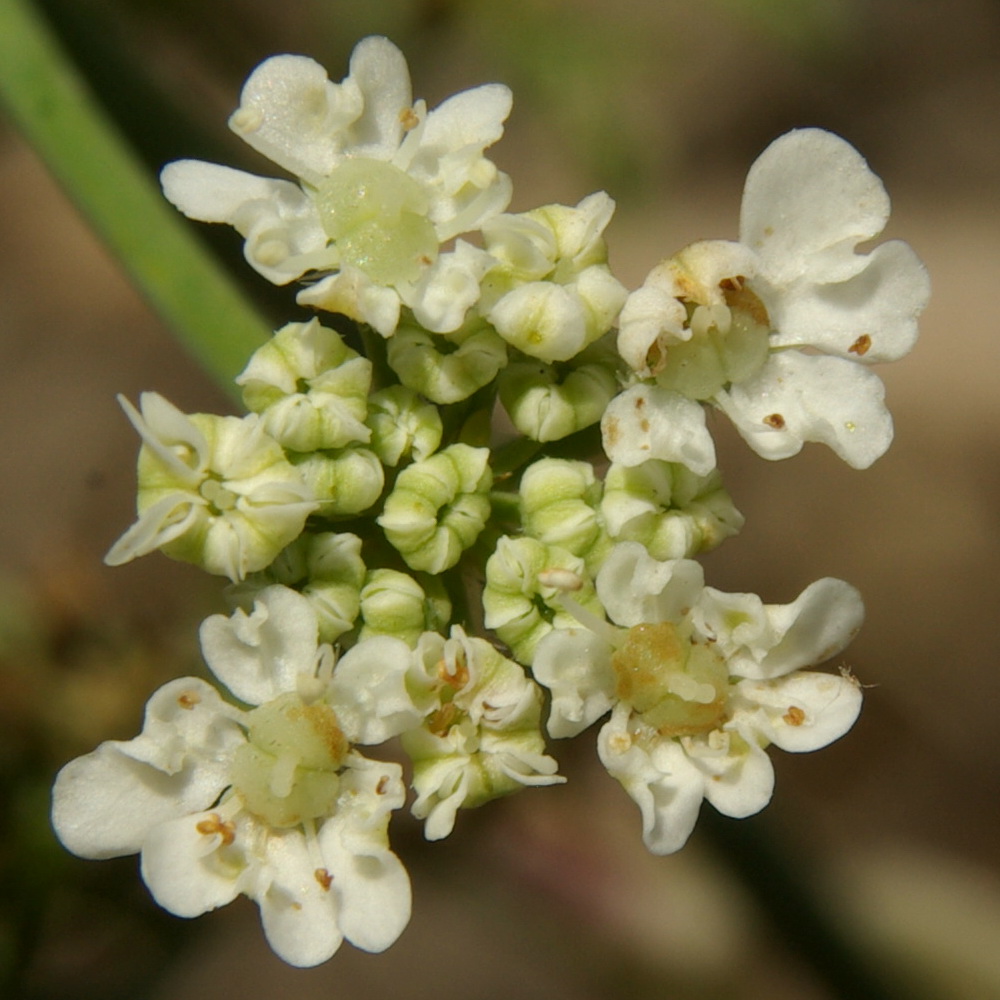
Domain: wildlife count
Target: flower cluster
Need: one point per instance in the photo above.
(404, 565)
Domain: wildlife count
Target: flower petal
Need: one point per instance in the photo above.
(817, 625)
(739, 777)
(798, 397)
(262, 655)
(665, 785)
(870, 317)
(646, 422)
(105, 803)
(804, 711)
(379, 70)
(185, 868)
(575, 665)
(635, 588)
(291, 112)
(277, 219)
(808, 192)
(369, 693)
(763, 641)
(299, 908)
(372, 885)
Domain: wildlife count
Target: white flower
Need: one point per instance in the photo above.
(776, 330)
(214, 491)
(383, 184)
(481, 738)
(699, 683)
(272, 801)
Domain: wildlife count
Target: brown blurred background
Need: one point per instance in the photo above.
(664, 103)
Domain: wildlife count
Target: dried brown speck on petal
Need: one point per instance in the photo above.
(188, 699)
(775, 420)
(794, 716)
(861, 346)
(611, 432)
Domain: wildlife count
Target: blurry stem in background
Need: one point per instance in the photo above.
(54, 110)
(782, 892)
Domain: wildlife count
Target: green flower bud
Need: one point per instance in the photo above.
(344, 482)
(545, 405)
(668, 508)
(522, 598)
(327, 568)
(438, 507)
(310, 388)
(449, 367)
(551, 293)
(394, 603)
(402, 425)
(559, 502)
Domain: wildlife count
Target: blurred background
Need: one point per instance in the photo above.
(665, 103)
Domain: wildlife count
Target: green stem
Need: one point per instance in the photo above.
(506, 506)
(53, 108)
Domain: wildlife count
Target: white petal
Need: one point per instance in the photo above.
(665, 785)
(105, 803)
(182, 867)
(169, 433)
(448, 289)
(803, 711)
(292, 113)
(870, 317)
(808, 192)
(210, 192)
(817, 625)
(299, 909)
(278, 220)
(186, 720)
(798, 397)
(374, 891)
(369, 693)
(575, 665)
(646, 422)
(442, 785)
(738, 782)
(648, 312)
(379, 69)
(353, 294)
(766, 641)
(159, 524)
(635, 588)
(371, 882)
(472, 118)
(262, 655)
